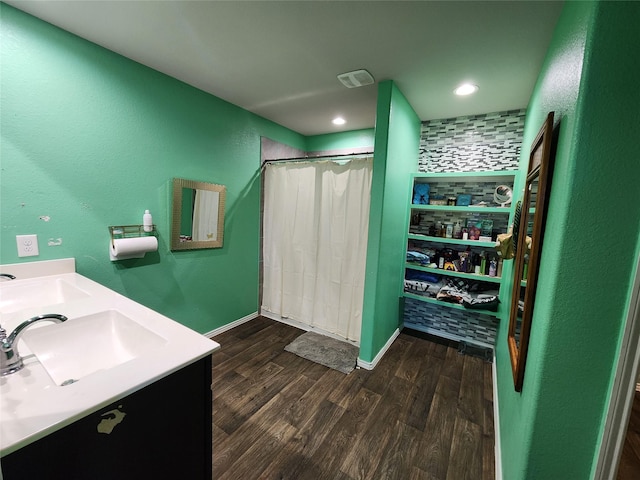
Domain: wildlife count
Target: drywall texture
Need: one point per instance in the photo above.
(91, 139)
(553, 428)
(354, 141)
(397, 137)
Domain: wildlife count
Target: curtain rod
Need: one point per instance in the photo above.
(320, 157)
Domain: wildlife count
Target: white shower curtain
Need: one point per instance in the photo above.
(316, 217)
(205, 216)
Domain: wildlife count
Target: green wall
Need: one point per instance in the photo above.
(552, 429)
(397, 140)
(91, 139)
(341, 140)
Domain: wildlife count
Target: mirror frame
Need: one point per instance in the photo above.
(540, 164)
(178, 185)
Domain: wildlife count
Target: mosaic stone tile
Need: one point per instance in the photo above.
(485, 142)
(472, 143)
(477, 328)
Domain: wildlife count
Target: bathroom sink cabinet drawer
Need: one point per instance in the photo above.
(163, 431)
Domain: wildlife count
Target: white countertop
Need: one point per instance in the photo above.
(33, 406)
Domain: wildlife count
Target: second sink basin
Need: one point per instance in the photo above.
(80, 346)
(37, 293)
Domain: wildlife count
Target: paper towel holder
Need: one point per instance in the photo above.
(128, 231)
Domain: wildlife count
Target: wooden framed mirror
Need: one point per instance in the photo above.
(198, 215)
(528, 235)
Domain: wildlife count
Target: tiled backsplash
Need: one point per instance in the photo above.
(475, 328)
(480, 191)
(489, 142)
(422, 227)
(472, 143)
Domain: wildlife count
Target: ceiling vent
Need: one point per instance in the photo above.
(357, 78)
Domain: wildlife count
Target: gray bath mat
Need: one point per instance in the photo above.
(327, 351)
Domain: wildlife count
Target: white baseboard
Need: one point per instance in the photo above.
(286, 320)
(231, 325)
(305, 327)
(496, 421)
(371, 365)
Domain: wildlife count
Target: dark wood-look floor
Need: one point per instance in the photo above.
(629, 467)
(425, 412)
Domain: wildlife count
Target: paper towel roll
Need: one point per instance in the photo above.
(124, 248)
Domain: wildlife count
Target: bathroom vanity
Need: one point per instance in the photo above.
(116, 391)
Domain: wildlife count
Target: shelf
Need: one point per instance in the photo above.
(454, 241)
(490, 176)
(440, 303)
(453, 208)
(451, 273)
(130, 231)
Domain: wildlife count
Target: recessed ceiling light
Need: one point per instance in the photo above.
(338, 121)
(466, 89)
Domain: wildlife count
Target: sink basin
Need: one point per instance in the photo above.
(37, 293)
(84, 345)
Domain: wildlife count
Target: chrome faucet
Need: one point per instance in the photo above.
(10, 359)
(7, 276)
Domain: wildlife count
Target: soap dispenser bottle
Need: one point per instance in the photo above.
(147, 221)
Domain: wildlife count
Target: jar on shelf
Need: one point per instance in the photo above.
(448, 230)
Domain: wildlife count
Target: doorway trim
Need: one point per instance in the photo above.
(623, 390)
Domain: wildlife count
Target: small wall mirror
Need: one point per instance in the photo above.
(198, 215)
(528, 234)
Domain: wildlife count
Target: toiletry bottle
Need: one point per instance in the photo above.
(457, 230)
(483, 263)
(147, 221)
(499, 271)
(469, 264)
(449, 230)
(493, 265)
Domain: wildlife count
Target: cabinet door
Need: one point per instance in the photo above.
(161, 432)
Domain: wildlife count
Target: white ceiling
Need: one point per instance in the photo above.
(280, 59)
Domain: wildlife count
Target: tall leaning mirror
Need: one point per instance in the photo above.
(198, 215)
(528, 235)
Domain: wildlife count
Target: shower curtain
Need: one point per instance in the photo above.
(316, 217)
(205, 216)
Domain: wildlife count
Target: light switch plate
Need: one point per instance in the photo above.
(27, 245)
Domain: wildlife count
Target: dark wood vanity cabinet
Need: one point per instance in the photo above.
(161, 432)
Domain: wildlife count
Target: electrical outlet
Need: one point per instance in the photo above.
(27, 245)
